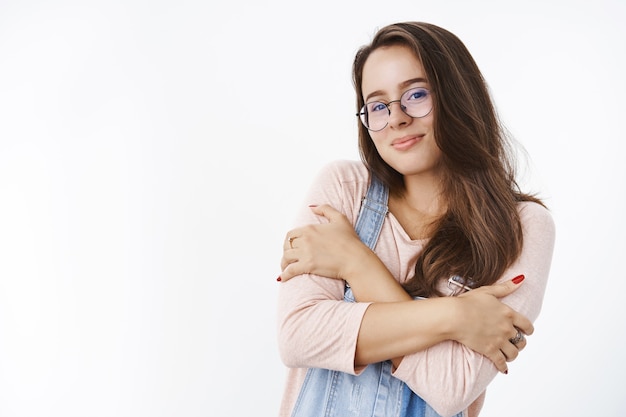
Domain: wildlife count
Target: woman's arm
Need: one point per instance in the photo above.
(390, 330)
(450, 376)
(476, 319)
(333, 249)
(317, 329)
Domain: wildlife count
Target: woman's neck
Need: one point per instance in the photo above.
(423, 194)
(419, 207)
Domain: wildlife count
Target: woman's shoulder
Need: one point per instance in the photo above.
(342, 184)
(345, 170)
(536, 215)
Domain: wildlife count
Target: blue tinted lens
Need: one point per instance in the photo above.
(416, 102)
(375, 115)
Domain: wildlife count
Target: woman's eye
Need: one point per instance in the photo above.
(418, 94)
(376, 106)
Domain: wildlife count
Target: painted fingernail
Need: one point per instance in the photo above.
(312, 205)
(506, 372)
(518, 279)
(279, 279)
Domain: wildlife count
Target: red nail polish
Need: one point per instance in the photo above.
(279, 279)
(518, 279)
(506, 372)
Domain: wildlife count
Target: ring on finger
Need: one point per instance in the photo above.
(518, 338)
(291, 239)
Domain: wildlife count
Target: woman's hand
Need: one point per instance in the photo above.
(331, 249)
(480, 320)
(488, 326)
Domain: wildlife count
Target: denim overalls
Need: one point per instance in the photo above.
(374, 392)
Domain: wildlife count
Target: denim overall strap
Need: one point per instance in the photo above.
(373, 212)
(375, 392)
(370, 221)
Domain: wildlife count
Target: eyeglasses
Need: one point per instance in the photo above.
(460, 285)
(416, 102)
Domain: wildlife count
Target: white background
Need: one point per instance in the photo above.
(153, 155)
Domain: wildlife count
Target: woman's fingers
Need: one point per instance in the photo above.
(505, 352)
(518, 340)
(504, 288)
(510, 351)
(290, 239)
(325, 210)
(523, 324)
(324, 248)
(495, 329)
(330, 213)
(499, 360)
(519, 321)
(291, 271)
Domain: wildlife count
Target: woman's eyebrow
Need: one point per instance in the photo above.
(413, 81)
(403, 84)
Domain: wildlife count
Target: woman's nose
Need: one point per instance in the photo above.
(397, 116)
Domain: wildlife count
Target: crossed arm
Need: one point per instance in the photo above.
(389, 328)
(446, 349)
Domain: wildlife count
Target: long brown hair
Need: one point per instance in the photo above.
(480, 234)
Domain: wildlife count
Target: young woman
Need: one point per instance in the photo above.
(429, 132)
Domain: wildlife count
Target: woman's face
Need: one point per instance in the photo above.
(407, 144)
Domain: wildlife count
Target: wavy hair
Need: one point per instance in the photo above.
(480, 234)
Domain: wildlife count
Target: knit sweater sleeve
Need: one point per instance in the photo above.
(316, 328)
(449, 376)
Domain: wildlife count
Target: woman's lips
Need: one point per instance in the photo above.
(402, 144)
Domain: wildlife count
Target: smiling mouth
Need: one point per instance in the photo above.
(406, 142)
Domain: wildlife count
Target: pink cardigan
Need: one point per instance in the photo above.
(449, 376)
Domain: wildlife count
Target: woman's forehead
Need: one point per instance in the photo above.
(391, 68)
